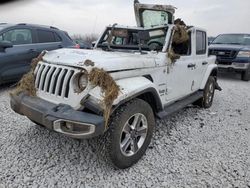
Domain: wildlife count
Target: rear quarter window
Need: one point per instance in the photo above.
(201, 42)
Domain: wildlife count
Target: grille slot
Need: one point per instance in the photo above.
(53, 79)
(226, 54)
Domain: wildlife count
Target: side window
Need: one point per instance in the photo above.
(46, 36)
(57, 37)
(183, 48)
(1, 37)
(18, 36)
(201, 46)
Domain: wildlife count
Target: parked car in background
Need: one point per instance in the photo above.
(210, 39)
(20, 43)
(83, 45)
(233, 53)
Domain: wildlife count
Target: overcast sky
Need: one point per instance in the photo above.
(91, 16)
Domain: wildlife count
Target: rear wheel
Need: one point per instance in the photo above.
(208, 94)
(131, 129)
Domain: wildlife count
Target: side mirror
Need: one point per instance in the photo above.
(5, 44)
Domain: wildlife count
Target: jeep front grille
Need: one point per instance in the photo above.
(53, 79)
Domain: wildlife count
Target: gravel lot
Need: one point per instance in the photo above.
(193, 148)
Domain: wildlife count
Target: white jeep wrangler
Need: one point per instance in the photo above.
(151, 83)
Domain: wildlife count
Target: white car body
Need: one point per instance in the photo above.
(137, 72)
(171, 85)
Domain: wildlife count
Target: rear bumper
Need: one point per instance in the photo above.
(60, 118)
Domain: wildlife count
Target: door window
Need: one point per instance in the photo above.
(184, 48)
(46, 36)
(201, 46)
(17, 36)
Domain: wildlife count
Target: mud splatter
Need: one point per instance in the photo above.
(99, 77)
(89, 63)
(27, 83)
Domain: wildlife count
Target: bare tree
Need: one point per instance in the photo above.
(87, 38)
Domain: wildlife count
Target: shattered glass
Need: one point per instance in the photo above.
(153, 18)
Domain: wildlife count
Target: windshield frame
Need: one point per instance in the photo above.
(233, 39)
(130, 47)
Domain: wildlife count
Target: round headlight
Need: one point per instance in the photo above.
(82, 81)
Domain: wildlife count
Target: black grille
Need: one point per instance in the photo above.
(227, 54)
(53, 80)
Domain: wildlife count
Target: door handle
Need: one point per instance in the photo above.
(32, 50)
(204, 63)
(60, 46)
(191, 65)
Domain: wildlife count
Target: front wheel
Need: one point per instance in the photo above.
(245, 75)
(131, 129)
(208, 94)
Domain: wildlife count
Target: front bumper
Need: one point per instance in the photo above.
(60, 118)
(234, 66)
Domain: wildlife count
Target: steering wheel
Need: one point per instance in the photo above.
(155, 45)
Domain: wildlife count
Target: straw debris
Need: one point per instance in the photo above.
(27, 83)
(180, 40)
(99, 77)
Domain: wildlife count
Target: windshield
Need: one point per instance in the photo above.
(237, 39)
(151, 18)
(133, 39)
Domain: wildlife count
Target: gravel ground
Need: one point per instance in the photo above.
(194, 148)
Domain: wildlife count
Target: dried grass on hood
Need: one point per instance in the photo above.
(99, 77)
(27, 83)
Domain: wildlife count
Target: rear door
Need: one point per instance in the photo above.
(47, 40)
(200, 58)
(16, 61)
(150, 15)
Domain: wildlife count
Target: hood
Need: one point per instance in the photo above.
(148, 15)
(229, 47)
(109, 61)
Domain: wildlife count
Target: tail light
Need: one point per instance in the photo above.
(77, 46)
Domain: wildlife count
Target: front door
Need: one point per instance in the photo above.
(16, 61)
(180, 79)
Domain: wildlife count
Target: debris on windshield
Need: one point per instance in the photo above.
(27, 83)
(99, 77)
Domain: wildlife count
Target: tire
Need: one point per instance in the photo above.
(245, 75)
(130, 132)
(208, 94)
